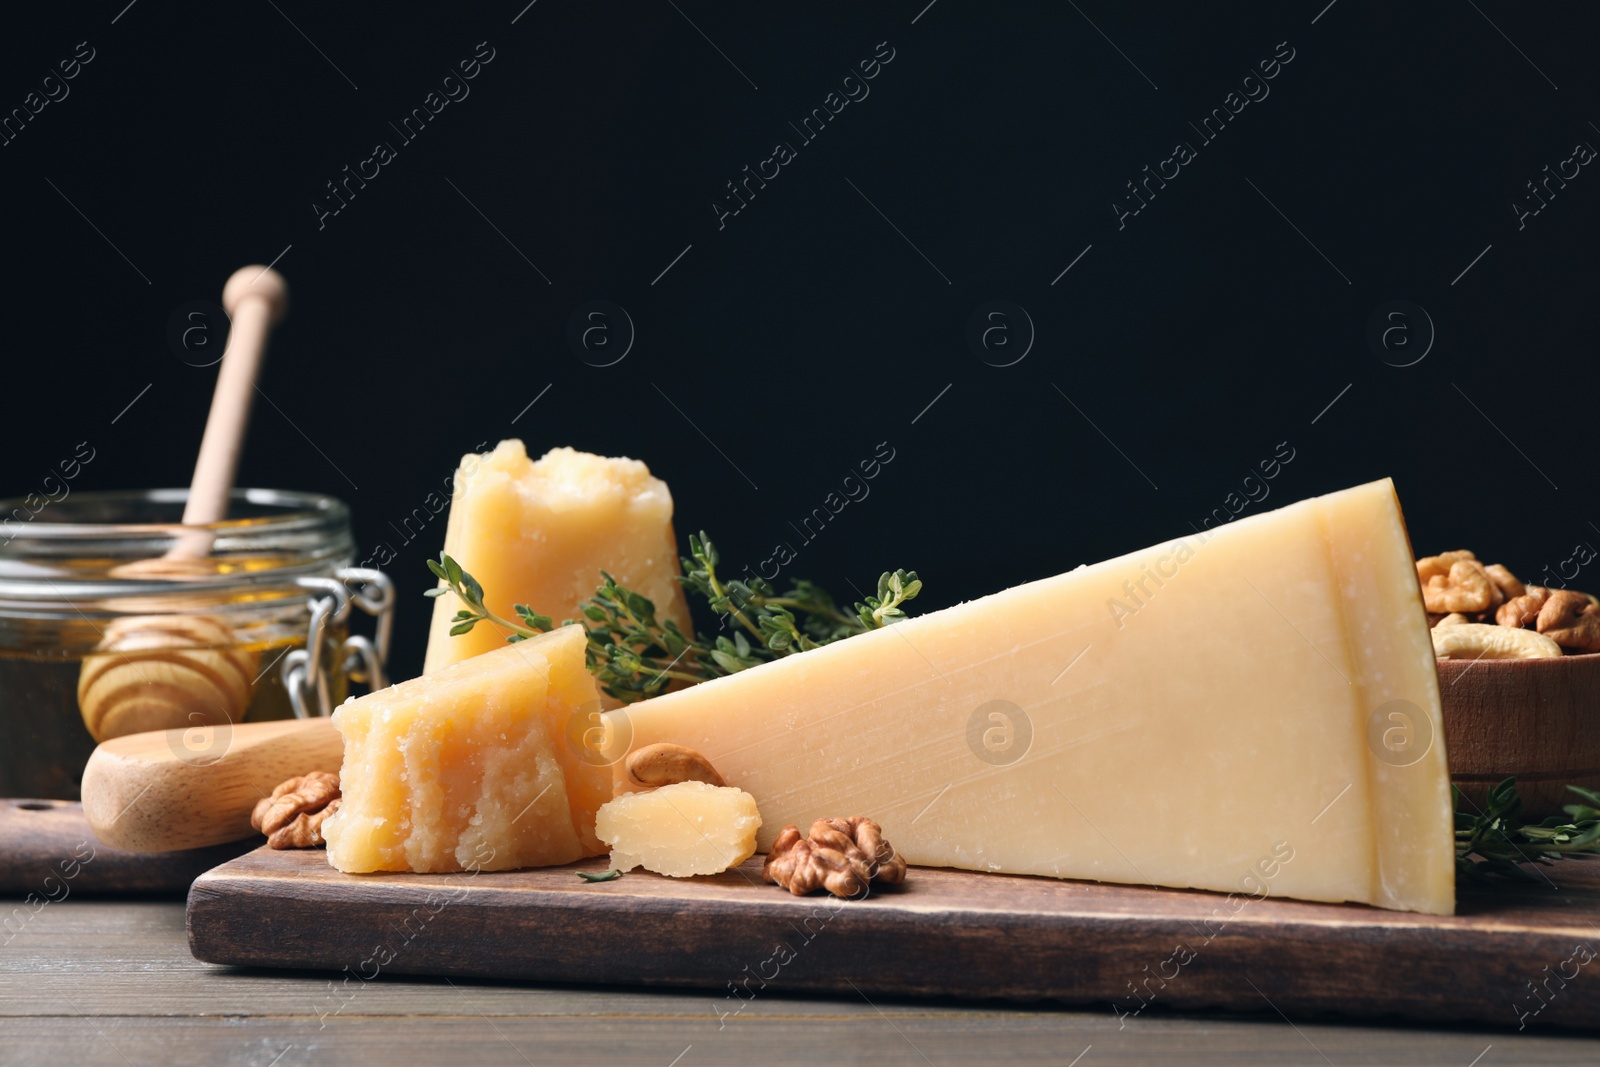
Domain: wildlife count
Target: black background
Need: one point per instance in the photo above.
(809, 329)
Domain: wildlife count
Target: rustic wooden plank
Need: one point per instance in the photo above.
(946, 933)
(1048, 1040)
(132, 958)
(48, 850)
(88, 970)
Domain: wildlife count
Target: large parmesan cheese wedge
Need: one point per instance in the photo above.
(473, 768)
(540, 532)
(1250, 710)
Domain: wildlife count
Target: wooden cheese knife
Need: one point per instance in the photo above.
(176, 789)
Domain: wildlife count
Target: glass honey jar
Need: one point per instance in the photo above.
(108, 626)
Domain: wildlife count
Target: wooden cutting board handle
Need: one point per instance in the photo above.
(172, 789)
(47, 850)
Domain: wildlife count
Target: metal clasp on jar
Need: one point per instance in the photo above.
(361, 659)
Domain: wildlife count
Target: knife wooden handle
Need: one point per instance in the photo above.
(172, 789)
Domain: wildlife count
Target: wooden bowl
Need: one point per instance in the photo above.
(1538, 719)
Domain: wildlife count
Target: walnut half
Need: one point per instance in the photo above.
(1571, 620)
(293, 815)
(840, 855)
(1520, 611)
(1451, 583)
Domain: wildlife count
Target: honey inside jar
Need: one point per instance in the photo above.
(92, 648)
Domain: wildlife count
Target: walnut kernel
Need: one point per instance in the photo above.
(1431, 566)
(840, 855)
(1571, 620)
(293, 815)
(1508, 583)
(1465, 587)
(1520, 611)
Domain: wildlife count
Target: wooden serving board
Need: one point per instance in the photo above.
(947, 933)
(48, 852)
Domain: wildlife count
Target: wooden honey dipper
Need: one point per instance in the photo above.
(161, 672)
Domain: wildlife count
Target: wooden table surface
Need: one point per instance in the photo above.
(112, 982)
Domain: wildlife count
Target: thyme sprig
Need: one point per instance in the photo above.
(1497, 841)
(634, 655)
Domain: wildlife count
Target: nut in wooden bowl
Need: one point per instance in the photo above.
(1519, 682)
(1538, 719)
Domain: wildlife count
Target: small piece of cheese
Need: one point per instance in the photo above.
(681, 829)
(1254, 710)
(472, 768)
(540, 532)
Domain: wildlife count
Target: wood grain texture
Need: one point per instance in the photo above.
(112, 982)
(131, 958)
(182, 789)
(941, 1039)
(48, 850)
(1536, 719)
(946, 933)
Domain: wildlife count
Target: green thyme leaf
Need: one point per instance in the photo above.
(634, 655)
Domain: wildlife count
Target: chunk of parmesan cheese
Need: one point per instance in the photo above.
(681, 829)
(473, 767)
(539, 532)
